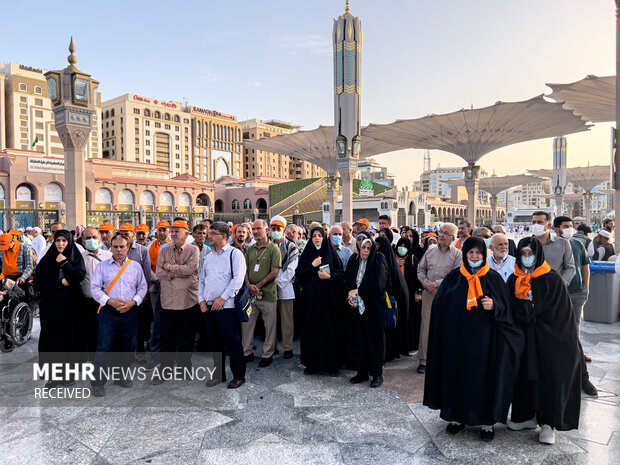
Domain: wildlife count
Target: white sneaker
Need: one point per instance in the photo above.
(529, 424)
(547, 435)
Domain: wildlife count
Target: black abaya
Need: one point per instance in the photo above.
(322, 302)
(473, 355)
(410, 270)
(549, 382)
(365, 332)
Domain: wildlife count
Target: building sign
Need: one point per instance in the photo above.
(52, 205)
(31, 69)
(165, 208)
(155, 102)
(123, 207)
(95, 221)
(183, 208)
(366, 188)
(215, 114)
(106, 207)
(46, 165)
(24, 204)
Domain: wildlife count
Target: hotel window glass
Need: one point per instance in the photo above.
(23, 111)
(177, 129)
(185, 120)
(157, 115)
(167, 116)
(38, 102)
(24, 123)
(197, 141)
(205, 151)
(137, 151)
(177, 147)
(166, 126)
(137, 131)
(23, 87)
(136, 111)
(148, 152)
(137, 140)
(38, 90)
(177, 119)
(148, 142)
(206, 144)
(147, 132)
(157, 125)
(206, 129)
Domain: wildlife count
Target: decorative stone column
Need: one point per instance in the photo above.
(493, 209)
(72, 94)
(347, 168)
(587, 200)
(331, 183)
(471, 174)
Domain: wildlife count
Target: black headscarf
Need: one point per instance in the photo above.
(537, 250)
(389, 234)
(416, 249)
(474, 243)
(373, 264)
(384, 246)
(48, 267)
(403, 242)
(327, 252)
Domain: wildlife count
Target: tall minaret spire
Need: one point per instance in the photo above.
(347, 39)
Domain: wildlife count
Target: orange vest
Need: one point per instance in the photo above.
(154, 252)
(9, 261)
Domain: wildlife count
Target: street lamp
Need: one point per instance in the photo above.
(72, 94)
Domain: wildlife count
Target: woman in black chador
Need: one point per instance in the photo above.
(548, 389)
(397, 339)
(366, 284)
(57, 278)
(474, 346)
(408, 263)
(322, 306)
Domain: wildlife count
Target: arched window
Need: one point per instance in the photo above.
(219, 205)
(177, 119)
(103, 195)
(53, 192)
(147, 112)
(221, 168)
(185, 200)
(1, 192)
(235, 204)
(167, 116)
(24, 192)
(125, 197)
(147, 198)
(165, 199)
(157, 115)
(247, 204)
(112, 113)
(261, 204)
(203, 200)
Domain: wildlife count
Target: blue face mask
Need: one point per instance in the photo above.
(487, 241)
(91, 244)
(276, 235)
(337, 240)
(474, 265)
(402, 251)
(528, 261)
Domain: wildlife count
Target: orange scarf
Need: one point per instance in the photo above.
(474, 292)
(154, 252)
(458, 244)
(523, 286)
(9, 261)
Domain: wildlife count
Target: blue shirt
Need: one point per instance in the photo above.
(505, 268)
(344, 253)
(216, 280)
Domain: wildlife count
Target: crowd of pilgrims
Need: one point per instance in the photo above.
(359, 298)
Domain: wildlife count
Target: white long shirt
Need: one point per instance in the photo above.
(90, 263)
(38, 244)
(216, 279)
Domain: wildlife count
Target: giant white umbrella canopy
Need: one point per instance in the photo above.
(471, 134)
(593, 98)
(496, 184)
(316, 146)
(586, 177)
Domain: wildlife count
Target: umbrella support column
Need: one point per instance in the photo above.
(471, 174)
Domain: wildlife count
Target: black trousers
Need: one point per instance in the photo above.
(90, 325)
(145, 317)
(223, 331)
(177, 335)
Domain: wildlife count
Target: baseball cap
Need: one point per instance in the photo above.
(180, 224)
(278, 220)
(143, 228)
(363, 221)
(5, 241)
(15, 232)
(127, 227)
(107, 227)
(163, 224)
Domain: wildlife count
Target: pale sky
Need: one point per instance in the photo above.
(274, 60)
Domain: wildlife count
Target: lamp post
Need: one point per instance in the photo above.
(331, 184)
(72, 94)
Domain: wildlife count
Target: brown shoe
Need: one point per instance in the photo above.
(235, 383)
(214, 382)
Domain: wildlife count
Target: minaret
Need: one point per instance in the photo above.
(347, 38)
(558, 183)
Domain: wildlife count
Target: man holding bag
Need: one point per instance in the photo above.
(224, 271)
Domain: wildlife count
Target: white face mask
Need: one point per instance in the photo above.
(538, 230)
(432, 246)
(568, 233)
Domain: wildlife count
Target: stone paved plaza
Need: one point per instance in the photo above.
(281, 416)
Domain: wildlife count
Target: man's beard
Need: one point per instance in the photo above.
(240, 240)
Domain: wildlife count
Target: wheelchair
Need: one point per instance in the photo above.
(15, 316)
